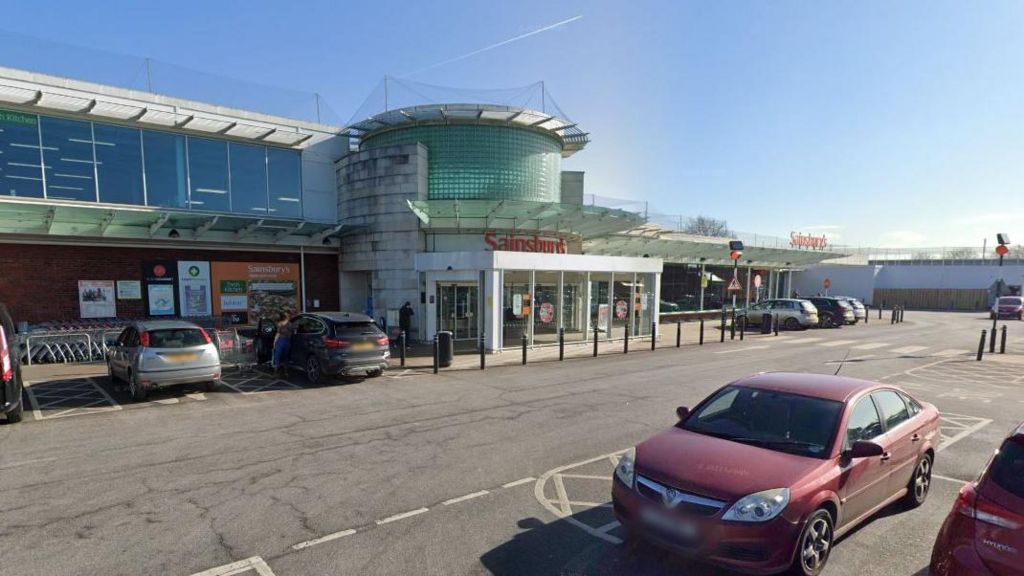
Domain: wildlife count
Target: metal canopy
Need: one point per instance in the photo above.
(686, 249)
(523, 217)
(80, 222)
(572, 138)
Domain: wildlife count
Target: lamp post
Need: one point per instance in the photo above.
(735, 253)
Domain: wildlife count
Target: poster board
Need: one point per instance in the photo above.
(129, 290)
(254, 290)
(96, 299)
(194, 288)
(159, 281)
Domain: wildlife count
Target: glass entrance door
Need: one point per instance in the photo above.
(457, 310)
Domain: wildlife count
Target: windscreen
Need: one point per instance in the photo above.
(1011, 301)
(356, 330)
(176, 338)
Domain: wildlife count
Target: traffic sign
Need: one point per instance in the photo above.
(735, 254)
(827, 283)
(703, 281)
(734, 285)
(1002, 250)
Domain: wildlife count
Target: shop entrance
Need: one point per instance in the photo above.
(457, 310)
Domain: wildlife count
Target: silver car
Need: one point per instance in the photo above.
(160, 353)
(793, 313)
(859, 311)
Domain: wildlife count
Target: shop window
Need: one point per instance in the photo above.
(248, 179)
(285, 176)
(21, 171)
(165, 169)
(208, 175)
(69, 164)
(119, 164)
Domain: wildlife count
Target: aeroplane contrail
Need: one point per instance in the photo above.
(498, 45)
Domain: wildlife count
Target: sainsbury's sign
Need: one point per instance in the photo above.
(807, 241)
(514, 243)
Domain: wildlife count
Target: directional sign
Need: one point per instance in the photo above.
(1002, 250)
(827, 283)
(734, 285)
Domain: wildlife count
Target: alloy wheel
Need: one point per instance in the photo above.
(816, 545)
(922, 479)
(313, 370)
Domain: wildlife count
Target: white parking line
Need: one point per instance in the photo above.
(322, 539)
(402, 516)
(805, 340)
(950, 352)
(587, 476)
(835, 343)
(948, 479)
(744, 349)
(965, 430)
(253, 563)
(871, 345)
(909, 349)
(518, 482)
(451, 501)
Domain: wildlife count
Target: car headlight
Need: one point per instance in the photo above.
(625, 470)
(759, 507)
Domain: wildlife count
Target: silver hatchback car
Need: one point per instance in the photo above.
(161, 353)
(792, 313)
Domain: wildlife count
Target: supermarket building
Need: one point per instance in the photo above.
(118, 204)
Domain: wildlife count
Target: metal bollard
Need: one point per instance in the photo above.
(595, 341)
(1002, 341)
(483, 353)
(561, 344)
(401, 347)
(880, 312)
(654, 334)
(981, 346)
(679, 333)
(732, 326)
(743, 327)
(625, 341)
(902, 310)
(701, 332)
(992, 341)
(436, 361)
(775, 322)
(722, 335)
(867, 314)
(524, 349)
(892, 319)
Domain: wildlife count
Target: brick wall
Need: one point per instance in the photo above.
(40, 282)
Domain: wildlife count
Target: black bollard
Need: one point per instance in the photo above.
(435, 354)
(1002, 341)
(595, 341)
(743, 327)
(880, 312)
(902, 311)
(775, 323)
(867, 313)
(722, 335)
(401, 347)
(483, 353)
(654, 334)
(524, 349)
(892, 318)
(561, 344)
(981, 345)
(732, 325)
(992, 340)
(701, 331)
(679, 333)
(625, 341)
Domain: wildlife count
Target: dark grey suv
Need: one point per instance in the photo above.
(10, 369)
(338, 344)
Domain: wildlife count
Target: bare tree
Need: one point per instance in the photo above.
(962, 253)
(707, 226)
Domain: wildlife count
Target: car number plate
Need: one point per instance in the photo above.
(362, 346)
(181, 357)
(674, 525)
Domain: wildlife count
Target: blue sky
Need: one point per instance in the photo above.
(876, 123)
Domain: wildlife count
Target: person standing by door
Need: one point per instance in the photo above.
(405, 314)
(282, 343)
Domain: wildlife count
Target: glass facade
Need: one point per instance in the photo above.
(484, 162)
(62, 159)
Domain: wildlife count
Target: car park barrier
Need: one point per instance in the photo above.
(1002, 341)
(981, 346)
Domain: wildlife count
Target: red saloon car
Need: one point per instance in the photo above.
(763, 475)
(984, 533)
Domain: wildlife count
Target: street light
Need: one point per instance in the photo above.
(1002, 250)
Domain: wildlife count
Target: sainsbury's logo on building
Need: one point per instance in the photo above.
(268, 269)
(513, 243)
(807, 241)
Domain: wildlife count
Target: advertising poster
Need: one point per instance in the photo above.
(602, 317)
(159, 279)
(96, 299)
(254, 290)
(129, 290)
(194, 288)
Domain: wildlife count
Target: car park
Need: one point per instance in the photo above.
(860, 312)
(10, 369)
(345, 344)
(161, 353)
(983, 534)
(767, 472)
(832, 312)
(1007, 307)
(792, 313)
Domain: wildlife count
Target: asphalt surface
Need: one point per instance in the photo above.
(502, 472)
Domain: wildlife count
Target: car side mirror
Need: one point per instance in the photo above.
(682, 412)
(865, 449)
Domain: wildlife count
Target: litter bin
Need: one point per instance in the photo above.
(766, 323)
(445, 349)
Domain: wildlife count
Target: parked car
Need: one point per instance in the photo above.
(983, 534)
(161, 353)
(1007, 307)
(338, 344)
(832, 312)
(859, 311)
(10, 369)
(765, 474)
(793, 314)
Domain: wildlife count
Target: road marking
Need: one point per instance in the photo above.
(518, 482)
(948, 479)
(965, 429)
(950, 352)
(609, 527)
(734, 350)
(805, 340)
(402, 516)
(563, 498)
(854, 359)
(554, 475)
(323, 539)
(26, 463)
(164, 401)
(466, 497)
(253, 563)
(90, 396)
(872, 345)
(836, 343)
(587, 476)
(909, 349)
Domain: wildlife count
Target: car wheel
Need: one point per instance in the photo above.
(1020, 315)
(920, 482)
(827, 321)
(313, 371)
(110, 373)
(137, 391)
(374, 373)
(791, 324)
(210, 386)
(15, 416)
(815, 545)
